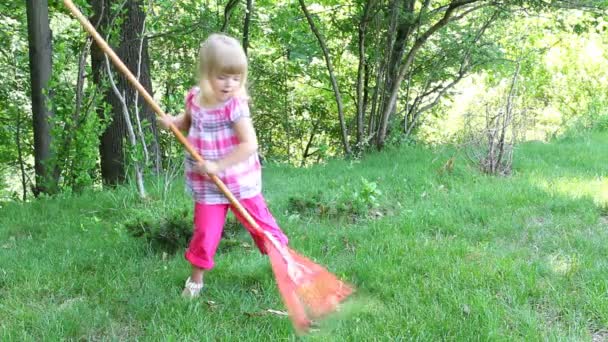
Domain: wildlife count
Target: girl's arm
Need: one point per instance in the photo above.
(248, 144)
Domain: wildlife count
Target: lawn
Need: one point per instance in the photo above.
(434, 254)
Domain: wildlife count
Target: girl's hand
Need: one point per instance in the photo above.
(166, 121)
(208, 167)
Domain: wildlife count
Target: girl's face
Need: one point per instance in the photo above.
(225, 86)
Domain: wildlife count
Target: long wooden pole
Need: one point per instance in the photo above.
(150, 100)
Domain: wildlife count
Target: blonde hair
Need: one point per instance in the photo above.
(221, 54)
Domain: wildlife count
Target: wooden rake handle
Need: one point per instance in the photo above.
(144, 93)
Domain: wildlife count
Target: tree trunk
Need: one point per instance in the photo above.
(379, 96)
(111, 149)
(20, 156)
(334, 82)
(403, 29)
(40, 53)
(248, 14)
(390, 103)
(230, 6)
(361, 74)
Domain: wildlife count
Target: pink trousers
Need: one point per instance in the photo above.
(209, 223)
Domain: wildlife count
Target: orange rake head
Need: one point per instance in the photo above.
(309, 291)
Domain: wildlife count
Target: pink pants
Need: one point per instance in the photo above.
(209, 223)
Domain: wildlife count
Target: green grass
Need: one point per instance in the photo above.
(454, 256)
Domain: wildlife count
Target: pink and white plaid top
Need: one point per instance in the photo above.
(213, 137)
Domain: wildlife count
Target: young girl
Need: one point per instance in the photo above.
(220, 129)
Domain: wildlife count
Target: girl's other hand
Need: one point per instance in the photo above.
(207, 167)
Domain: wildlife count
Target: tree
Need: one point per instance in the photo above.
(132, 48)
(410, 34)
(334, 82)
(40, 52)
(416, 24)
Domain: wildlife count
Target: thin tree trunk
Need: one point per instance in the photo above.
(139, 178)
(361, 73)
(379, 97)
(72, 127)
(140, 131)
(286, 108)
(20, 156)
(40, 53)
(306, 153)
(402, 34)
(405, 27)
(385, 74)
(373, 113)
(366, 75)
(142, 59)
(334, 82)
(407, 115)
(508, 115)
(248, 14)
(227, 12)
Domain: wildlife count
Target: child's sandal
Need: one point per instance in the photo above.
(191, 289)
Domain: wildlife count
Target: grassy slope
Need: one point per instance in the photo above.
(456, 256)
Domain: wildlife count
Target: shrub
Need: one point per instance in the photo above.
(354, 202)
(168, 234)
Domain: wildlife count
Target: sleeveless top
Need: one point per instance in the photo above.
(213, 137)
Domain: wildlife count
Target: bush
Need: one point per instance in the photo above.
(601, 123)
(168, 234)
(354, 202)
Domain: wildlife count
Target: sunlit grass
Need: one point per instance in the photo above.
(577, 188)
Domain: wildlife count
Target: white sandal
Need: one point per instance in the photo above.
(191, 289)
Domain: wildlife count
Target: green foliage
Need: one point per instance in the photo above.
(361, 200)
(348, 201)
(76, 128)
(595, 121)
(15, 109)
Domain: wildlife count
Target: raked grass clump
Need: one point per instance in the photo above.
(435, 254)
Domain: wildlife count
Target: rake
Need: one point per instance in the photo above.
(308, 290)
